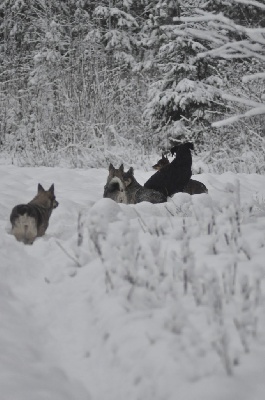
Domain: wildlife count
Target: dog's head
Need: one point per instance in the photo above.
(115, 173)
(115, 186)
(47, 197)
(161, 163)
(128, 177)
(181, 147)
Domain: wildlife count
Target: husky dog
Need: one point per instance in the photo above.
(192, 187)
(115, 188)
(31, 220)
(174, 176)
(136, 193)
(122, 187)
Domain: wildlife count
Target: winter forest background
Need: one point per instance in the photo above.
(145, 301)
(85, 82)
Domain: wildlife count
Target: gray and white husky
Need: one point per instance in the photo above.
(32, 219)
(122, 187)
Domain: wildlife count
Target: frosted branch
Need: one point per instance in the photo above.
(251, 113)
(241, 100)
(251, 3)
(253, 77)
(233, 50)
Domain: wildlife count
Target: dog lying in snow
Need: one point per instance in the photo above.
(122, 187)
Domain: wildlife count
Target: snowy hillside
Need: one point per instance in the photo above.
(144, 302)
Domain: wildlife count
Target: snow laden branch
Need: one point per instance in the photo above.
(256, 108)
(253, 45)
(253, 77)
(123, 18)
(235, 118)
(241, 49)
(221, 37)
(251, 3)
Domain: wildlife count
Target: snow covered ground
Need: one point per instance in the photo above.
(144, 302)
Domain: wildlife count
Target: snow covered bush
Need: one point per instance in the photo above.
(193, 254)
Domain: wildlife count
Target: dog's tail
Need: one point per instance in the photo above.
(24, 228)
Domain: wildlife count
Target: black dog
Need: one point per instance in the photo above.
(173, 177)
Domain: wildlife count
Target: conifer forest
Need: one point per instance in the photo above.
(83, 82)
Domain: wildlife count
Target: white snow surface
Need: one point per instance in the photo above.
(143, 302)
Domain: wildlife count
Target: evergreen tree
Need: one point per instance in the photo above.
(118, 29)
(236, 35)
(183, 95)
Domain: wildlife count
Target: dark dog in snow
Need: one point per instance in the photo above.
(32, 219)
(174, 176)
(192, 187)
(122, 187)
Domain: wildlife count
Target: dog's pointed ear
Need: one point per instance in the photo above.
(51, 190)
(128, 181)
(131, 171)
(121, 168)
(111, 168)
(40, 188)
(163, 156)
(128, 177)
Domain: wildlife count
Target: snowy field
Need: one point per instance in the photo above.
(144, 302)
